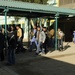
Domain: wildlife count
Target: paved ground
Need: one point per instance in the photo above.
(53, 63)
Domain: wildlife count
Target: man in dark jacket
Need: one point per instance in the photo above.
(1, 46)
(12, 46)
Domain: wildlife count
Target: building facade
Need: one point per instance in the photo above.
(67, 3)
(67, 24)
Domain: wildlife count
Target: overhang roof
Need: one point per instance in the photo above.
(32, 10)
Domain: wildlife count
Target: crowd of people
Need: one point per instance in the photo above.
(43, 39)
(12, 43)
(40, 37)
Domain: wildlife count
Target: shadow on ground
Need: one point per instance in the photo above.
(67, 46)
(29, 64)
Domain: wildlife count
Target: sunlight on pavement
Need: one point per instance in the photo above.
(67, 56)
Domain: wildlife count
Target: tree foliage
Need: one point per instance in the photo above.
(34, 1)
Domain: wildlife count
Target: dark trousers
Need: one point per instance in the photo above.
(1, 54)
(52, 42)
(60, 43)
(32, 46)
(45, 46)
(11, 55)
(19, 46)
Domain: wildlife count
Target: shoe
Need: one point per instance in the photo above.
(30, 50)
(40, 51)
(36, 53)
(8, 64)
(2, 60)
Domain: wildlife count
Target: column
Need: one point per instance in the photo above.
(56, 26)
(5, 11)
(6, 41)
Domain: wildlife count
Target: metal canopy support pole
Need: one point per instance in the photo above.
(6, 25)
(6, 42)
(56, 26)
(5, 11)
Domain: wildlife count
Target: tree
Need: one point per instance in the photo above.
(17, 19)
(34, 1)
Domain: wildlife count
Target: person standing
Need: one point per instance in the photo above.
(2, 39)
(11, 46)
(52, 38)
(60, 35)
(19, 39)
(73, 36)
(40, 40)
(33, 41)
(46, 40)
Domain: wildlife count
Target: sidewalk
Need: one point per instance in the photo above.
(70, 50)
(26, 58)
(7, 71)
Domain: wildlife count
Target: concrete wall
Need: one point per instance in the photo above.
(72, 6)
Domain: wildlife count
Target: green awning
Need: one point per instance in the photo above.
(31, 9)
